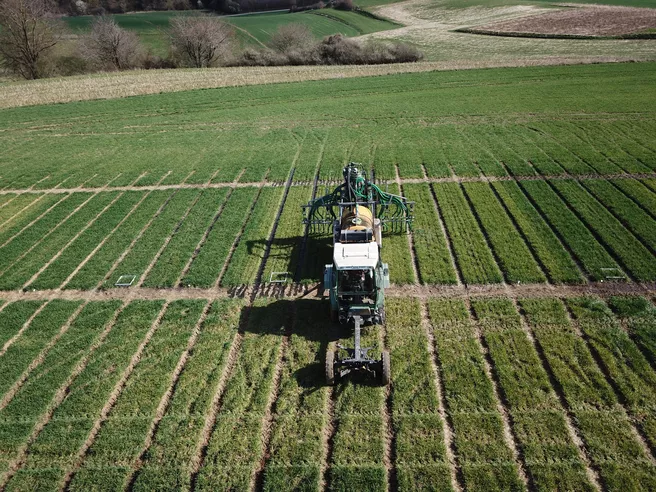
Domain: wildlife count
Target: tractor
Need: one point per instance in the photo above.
(357, 212)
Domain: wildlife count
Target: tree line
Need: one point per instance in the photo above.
(30, 30)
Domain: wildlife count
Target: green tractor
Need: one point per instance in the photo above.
(357, 213)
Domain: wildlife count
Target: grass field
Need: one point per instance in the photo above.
(253, 29)
(521, 322)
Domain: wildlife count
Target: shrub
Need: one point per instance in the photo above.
(291, 37)
(109, 46)
(344, 5)
(200, 41)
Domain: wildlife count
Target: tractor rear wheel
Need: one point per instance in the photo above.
(386, 374)
(330, 367)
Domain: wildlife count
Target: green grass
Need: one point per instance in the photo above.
(254, 29)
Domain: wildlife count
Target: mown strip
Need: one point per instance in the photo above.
(591, 255)
(474, 259)
(637, 259)
(514, 258)
(538, 421)
(419, 451)
(616, 453)
(55, 449)
(433, 259)
(108, 462)
(168, 462)
(93, 272)
(59, 270)
(19, 417)
(207, 266)
(235, 445)
(555, 260)
(170, 264)
(482, 453)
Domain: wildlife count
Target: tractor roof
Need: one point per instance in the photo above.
(355, 256)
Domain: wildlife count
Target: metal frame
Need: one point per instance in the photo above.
(125, 283)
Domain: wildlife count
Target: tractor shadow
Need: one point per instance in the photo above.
(307, 323)
(306, 256)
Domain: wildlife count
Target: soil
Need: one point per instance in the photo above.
(582, 21)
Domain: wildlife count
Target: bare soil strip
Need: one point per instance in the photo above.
(59, 397)
(166, 397)
(327, 437)
(297, 291)
(509, 436)
(111, 401)
(11, 392)
(457, 479)
(572, 429)
(71, 241)
(25, 326)
(234, 184)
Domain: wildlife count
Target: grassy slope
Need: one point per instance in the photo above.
(252, 29)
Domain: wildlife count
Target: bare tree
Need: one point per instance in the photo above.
(28, 31)
(109, 46)
(291, 37)
(200, 41)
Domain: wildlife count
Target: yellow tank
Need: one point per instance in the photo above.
(352, 222)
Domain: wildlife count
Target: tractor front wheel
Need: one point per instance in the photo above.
(330, 367)
(386, 374)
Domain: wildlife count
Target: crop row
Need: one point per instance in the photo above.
(419, 450)
(526, 231)
(597, 384)
(538, 421)
(118, 445)
(611, 443)
(544, 147)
